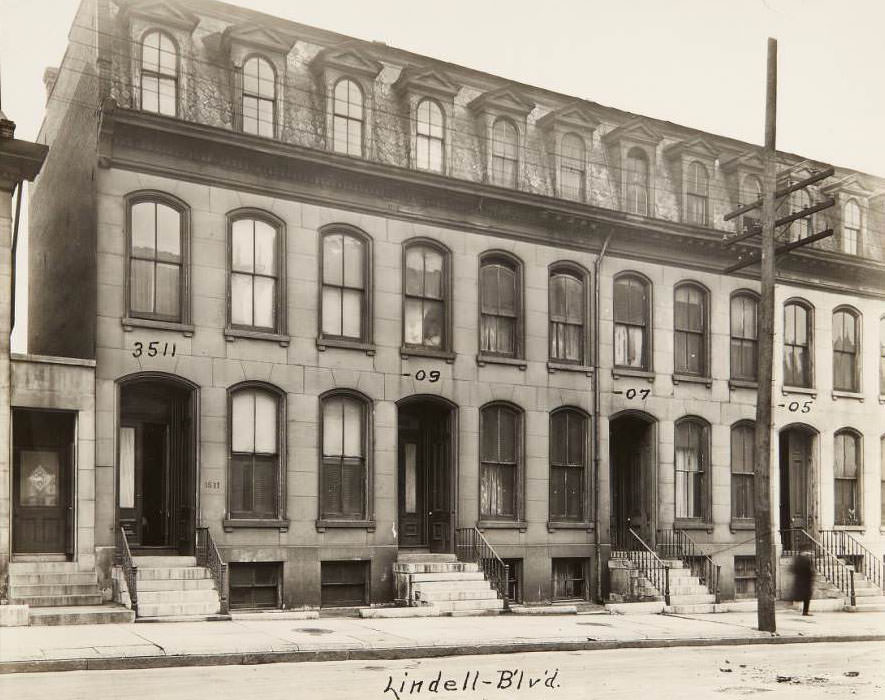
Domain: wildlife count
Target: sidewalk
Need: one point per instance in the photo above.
(255, 641)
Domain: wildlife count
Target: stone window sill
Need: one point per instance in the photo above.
(850, 528)
(742, 524)
(231, 335)
(483, 360)
(743, 384)
(368, 525)
(407, 352)
(129, 323)
(808, 391)
(692, 379)
(281, 524)
(553, 367)
(502, 525)
(344, 344)
(618, 372)
(554, 525)
(856, 395)
(685, 524)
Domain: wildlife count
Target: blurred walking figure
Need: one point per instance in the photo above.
(803, 578)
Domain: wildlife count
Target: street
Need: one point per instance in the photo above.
(831, 670)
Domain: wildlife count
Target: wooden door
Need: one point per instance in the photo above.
(798, 477)
(42, 510)
(437, 450)
(411, 490)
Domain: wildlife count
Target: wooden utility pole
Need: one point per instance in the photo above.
(765, 576)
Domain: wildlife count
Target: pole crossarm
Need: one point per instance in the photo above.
(788, 219)
(780, 250)
(817, 177)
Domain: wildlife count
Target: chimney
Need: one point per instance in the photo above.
(50, 75)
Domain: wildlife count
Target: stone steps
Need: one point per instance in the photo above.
(701, 598)
(175, 587)
(51, 578)
(57, 601)
(45, 567)
(81, 615)
(170, 597)
(424, 557)
(448, 576)
(146, 585)
(464, 605)
(434, 596)
(168, 609)
(167, 573)
(434, 567)
(456, 585)
(46, 590)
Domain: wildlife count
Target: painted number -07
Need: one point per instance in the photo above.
(153, 349)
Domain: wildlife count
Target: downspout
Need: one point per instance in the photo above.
(597, 407)
(18, 211)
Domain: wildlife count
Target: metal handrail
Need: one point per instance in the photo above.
(472, 546)
(827, 564)
(209, 557)
(130, 568)
(844, 545)
(678, 544)
(649, 563)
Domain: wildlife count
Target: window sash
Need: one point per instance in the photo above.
(696, 208)
(844, 371)
(159, 93)
(498, 490)
(630, 346)
(846, 506)
(344, 488)
(572, 179)
(255, 482)
(690, 352)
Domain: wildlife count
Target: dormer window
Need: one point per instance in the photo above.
(751, 191)
(259, 97)
(696, 194)
(637, 182)
(633, 154)
(572, 167)
(159, 74)
(851, 221)
(430, 136)
(801, 228)
(501, 129)
(347, 136)
(505, 154)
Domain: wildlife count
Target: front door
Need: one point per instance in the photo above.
(632, 464)
(42, 518)
(795, 462)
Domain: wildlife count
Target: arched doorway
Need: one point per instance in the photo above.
(156, 463)
(633, 464)
(796, 481)
(426, 473)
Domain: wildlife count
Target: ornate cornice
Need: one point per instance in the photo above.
(424, 80)
(635, 130)
(505, 100)
(349, 57)
(166, 13)
(694, 148)
(259, 37)
(575, 116)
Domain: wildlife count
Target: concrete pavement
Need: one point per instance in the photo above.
(262, 640)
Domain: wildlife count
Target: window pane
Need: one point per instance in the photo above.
(266, 118)
(242, 245)
(265, 302)
(168, 234)
(558, 437)
(413, 332)
(507, 435)
(127, 467)
(575, 452)
(250, 76)
(167, 96)
(167, 56)
(353, 262)
(265, 249)
(241, 299)
(354, 137)
(433, 323)
(415, 271)
(410, 452)
(250, 115)
(333, 259)
(150, 93)
(353, 428)
(265, 422)
(141, 286)
(331, 311)
(143, 229)
(506, 291)
(433, 264)
(489, 288)
(333, 427)
(243, 421)
(167, 289)
(351, 324)
(150, 52)
(264, 486)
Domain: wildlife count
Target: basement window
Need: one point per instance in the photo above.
(344, 583)
(255, 585)
(569, 579)
(745, 577)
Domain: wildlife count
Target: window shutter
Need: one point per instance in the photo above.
(352, 488)
(331, 488)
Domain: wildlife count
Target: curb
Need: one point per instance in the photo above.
(398, 653)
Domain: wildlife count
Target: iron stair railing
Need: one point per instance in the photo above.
(123, 556)
(678, 544)
(845, 546)
(649, 564)
(471, 546)
(209, 557)
(826, 563)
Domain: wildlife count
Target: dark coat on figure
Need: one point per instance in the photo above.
(803, 577)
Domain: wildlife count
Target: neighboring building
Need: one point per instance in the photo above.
(343, 299)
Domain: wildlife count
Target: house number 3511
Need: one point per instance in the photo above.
(153, 349)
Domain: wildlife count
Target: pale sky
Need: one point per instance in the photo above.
(700, 63)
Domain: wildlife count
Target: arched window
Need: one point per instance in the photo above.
(696, 194)
(430, 136)
(637, 182)
(751, 191)
(846, 349)
(692, 469)
(256, 447)
(344, 470)
(501, 462)
(632, 317)
(743, 441)
(157, 258)
(798, 342)
(500, 304)
(159, 74)
(348, 118)
(848, 454)
(851, 222)
(505, 154)
(572, 167)
(690, 330)
(259, 97)
(257, 297)
(744, 336)
(801, 228)
(568, 313)
(425, 308)
(345, 298)
(568, 465)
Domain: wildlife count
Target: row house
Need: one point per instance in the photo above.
(345, 302)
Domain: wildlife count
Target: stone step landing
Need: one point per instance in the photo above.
(81, 615)
(442, 584)
(172, 587)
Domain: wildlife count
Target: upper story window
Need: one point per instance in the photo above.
(568, 313)
(430, 136)
(697, 191)
(159, 74)
(425, 285)
(257, 294)
(255, 452)
(690, 330)
(501, 462)
(348, 118)
(882, 359)
(751, 191)
(797, 344)
(344, 304)
(259, 97)
(744, 336)
(846, 349)
(568, 463)
(345, 472)
(157, 258)
(743, 442)
(637, 182)
(801, 228)
(851, 223)
(572, 167)
(500, 303)
(848, 453)
(632, 322)
(692, 469)
(505, 154)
